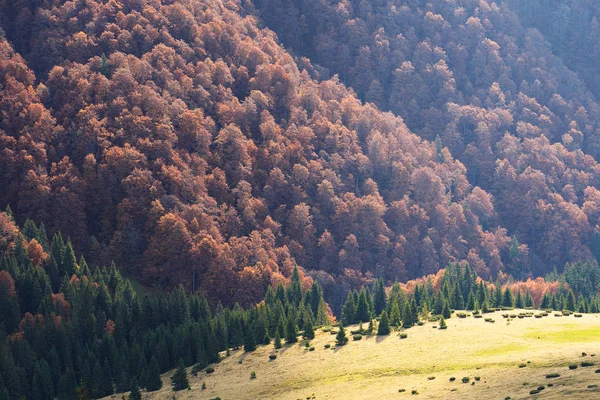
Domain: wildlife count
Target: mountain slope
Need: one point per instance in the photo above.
(184, 142)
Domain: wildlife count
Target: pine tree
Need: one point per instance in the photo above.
(519, 303)
(291, 330)
(349, 310)
(341, 338)
(379, 297)
(458, 303)
(179, 380)
(309, 331)
(570, 301)
(362, 309)
(135, 390)
(407, 316)
(471, 302)
(498, 296)
(395, 316)
(443, 324)
(277, 343)
(446, 313)
(508, 299)
(384, 324)
(249, 340)
(545, 301)
(153, 381)
(528, 300)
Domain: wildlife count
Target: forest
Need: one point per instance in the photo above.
(219, 146)
(73, 331)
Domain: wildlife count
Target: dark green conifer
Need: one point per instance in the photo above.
(349, 310)
(379, 297)
(384, 324)
(135, 390)
(341, 338)
(179, 380)
(153, 381)
(362, 309)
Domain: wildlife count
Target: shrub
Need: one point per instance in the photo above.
(272, 356)
(333, 332)
(311, 348)
(210, 370)
(550, 384)
(573, 366)
(578, 315)
(535, 391)
(252, 375)
(477, 378)
(538, 316)
(357, 336)
(414, 392)
(592, 386)
(401, 390)
(403, 335)
(240, 361)
(478, 316)
(465, 379)
(452, 379)
(461, 315)
(430, 378)
(587, 364)
(541, 387)
(327, 346)
(552, 375)
(203, 385)
(420, 323)
(597, 371)
(523, 365)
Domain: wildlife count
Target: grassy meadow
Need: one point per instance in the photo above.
(509, 357)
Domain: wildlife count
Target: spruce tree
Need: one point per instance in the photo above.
(519, 303)
(179, 380)
(446, 313)
(384, 324)
(471, 302)
(309, 331)
(379, 297)
(249, 340)
(443, 324)
(349, 310)
(362, 309)
(395, 316)
(340, 338)
(153, 381)
(528, 300)
(570, 301)
(135, 390)
(277, 342)
(458, 303)
(407, 316)
(291, 330)
(508, 299)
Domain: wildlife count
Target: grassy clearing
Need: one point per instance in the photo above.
(380, 367)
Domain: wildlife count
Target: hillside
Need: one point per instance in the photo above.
(182, 141)
(377, 367)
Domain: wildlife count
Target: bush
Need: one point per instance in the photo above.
(430, 378)
(210, 370)
(541, 387)
(478, 316)
(357, 337)
(592, 386)
(535, 391)
(597, 371)
(414, 392)
(311, 348)
(420, 323)
(272, 356)
(452, 379)
(550, 384)
(523, 365)
(327, 346)
(461, 315)
(587, 364)
(573, 366)
(538, 316)
(552, 375)
(401, 390)
(578, 315)
(465, 379)
(403, 335)
(252, 375)
(477, 378)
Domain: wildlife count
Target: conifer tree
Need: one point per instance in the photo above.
(545, 301)
(471, 302)
(443, 324)
(498, 296)
(340, 338)
(349, 310)
(407, 316)
(135, 390)
(446, 313)
(277, 342)
(179, 380)
(570, 301)
(309, 331)
(379, 297)
(528, 300)
(458, 303)
(519, 303)
(395, 316)
(508, 299)
(249, 342)
(291, 330)
(384, 324)
(362, 309)
(153, 381)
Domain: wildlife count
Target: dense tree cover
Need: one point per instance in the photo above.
(470, 76)
(183, 141)
(68, 329)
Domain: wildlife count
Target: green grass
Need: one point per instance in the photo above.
(569, 333)
(501, 350)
